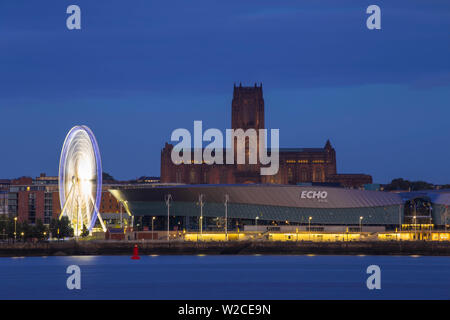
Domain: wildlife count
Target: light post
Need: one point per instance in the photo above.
(431, 222)
(15, 229)
(22, 234)
(360, 226)
(168, 198)
(309, 227)
(445, 222)
(200, 200)
(415, 228)
(153, 226)
(256, 223)
(227, 198)
(121, 215)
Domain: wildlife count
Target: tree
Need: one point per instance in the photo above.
(107, 177)
(401, 184)
(421, 185)
(24, 230)
(4, 227)
(398, 184)
(85, 231)
(61, 228)
(40, 231)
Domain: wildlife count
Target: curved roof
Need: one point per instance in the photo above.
(436, 196)
(270, 195)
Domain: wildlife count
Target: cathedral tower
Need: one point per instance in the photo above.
(247, 108)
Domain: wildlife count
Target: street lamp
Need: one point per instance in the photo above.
(415, 228)
(200, 200)
(15, 229)
(309, 227)
(360, 226)
(227, 198)
(121, 215)
(168, 198)
(445, 222)
(431, 221)
(153, 224)
(256, 223)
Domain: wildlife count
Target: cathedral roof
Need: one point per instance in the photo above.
(302, 150)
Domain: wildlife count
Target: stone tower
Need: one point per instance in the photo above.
(247, 112)
(247, 108)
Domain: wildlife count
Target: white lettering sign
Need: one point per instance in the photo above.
(314, 195)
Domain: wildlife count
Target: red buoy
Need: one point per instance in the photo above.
(135, 253)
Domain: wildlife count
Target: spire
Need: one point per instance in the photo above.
(328, 144)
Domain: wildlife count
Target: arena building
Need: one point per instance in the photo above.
(427, 208)
(262, 205)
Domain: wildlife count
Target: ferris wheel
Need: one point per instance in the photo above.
(80, 180)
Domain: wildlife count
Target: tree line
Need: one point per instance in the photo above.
(10, 228)
(402, 184)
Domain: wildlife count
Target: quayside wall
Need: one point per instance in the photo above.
(68, 248)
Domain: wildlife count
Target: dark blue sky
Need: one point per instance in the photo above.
(140, 69)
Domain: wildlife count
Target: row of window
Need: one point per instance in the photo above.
(306, 161)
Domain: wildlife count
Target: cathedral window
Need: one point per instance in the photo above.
(192, 176)
(290, 176)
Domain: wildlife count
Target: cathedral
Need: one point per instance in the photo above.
(296, 165)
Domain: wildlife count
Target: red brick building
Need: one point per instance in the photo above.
(32, 200)
(297, 165)
(31, 203)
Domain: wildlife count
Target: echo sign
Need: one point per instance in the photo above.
(320, 195)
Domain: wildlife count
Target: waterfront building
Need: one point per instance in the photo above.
(36, 199)
(277, 207)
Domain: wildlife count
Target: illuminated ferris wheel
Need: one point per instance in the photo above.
(80, 179)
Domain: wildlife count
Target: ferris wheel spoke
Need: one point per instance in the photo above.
(98, 214)
(67, 202)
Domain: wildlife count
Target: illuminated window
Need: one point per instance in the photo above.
(178, 176)
(192, 176)
(290, 176)
(304, 174)
(318, 175)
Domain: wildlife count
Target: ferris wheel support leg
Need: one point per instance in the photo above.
(125, 204)
(101, 221)
(67, 202)
(98, 214)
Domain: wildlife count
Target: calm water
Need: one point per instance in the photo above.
(225, 277)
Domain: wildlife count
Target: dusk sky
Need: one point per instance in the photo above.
(137, 70)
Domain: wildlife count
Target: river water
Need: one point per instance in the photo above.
(226, 277)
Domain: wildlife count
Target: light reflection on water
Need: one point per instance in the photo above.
(225, 277)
